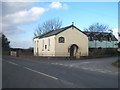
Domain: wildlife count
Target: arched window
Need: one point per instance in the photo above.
(61, 40)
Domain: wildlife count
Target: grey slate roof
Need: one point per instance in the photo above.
(101, 36)
(91, 35)
(55, 32)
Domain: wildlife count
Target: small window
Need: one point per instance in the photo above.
(42, 45)
(61, 40)
(91, 38)
(45, 46)
(48, 44)
(37, 43)
(109, 38)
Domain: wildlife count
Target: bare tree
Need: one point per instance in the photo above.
(97, 27)
(47, 26)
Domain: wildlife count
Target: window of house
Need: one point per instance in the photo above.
(109, 38)
(91, 38)
(45, 46)
(37, 51)
(48, 44)
(35, 46)
(100, 39)
(61, 40)
(37, 43)
(42, 45)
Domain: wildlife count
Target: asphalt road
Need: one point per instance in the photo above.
(92, 73)
(0, 72)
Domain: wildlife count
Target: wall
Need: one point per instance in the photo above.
(13, 53)
(39, 50)
(72, 36)
(35, 46)
(103, 44)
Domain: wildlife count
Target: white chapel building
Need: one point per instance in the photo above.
(63, 42)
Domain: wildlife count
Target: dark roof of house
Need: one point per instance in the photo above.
(57, 31)
(91, 35)
(105, 36)
(16, 49)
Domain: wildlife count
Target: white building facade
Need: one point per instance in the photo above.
(63, 42)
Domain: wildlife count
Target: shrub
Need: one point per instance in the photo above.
(103, 52)
(117, 63)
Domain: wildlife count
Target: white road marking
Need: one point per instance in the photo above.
(12, 63)
(91, 69)
(61, 64)
(55, 63)
(99, 70)
(103, 71)
(67, 82)
(85, 62)
(41, 73)
(66, 65)
(83, 67)
(34, 70)
(109, 71)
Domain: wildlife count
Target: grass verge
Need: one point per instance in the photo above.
(117, 63)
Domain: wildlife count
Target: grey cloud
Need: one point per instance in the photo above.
(12, 29)
(0, 8)
(12, 7)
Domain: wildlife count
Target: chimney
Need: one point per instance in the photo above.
(73, 23)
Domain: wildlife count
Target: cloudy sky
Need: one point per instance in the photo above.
(20, 19)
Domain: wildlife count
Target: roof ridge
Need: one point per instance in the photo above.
(53, 31)
(62, 28)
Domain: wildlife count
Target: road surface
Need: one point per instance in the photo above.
(91, 73)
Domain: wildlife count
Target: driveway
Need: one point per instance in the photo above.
(103, 65)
